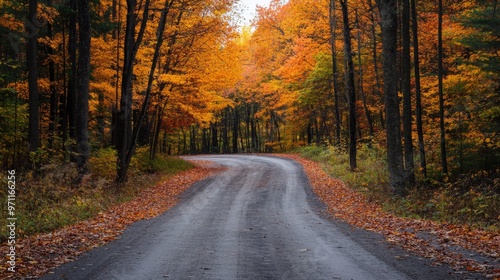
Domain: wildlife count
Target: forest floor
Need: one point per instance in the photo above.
(462, 248)
(459, 246)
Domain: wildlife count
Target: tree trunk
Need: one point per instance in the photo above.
(225, 136)
(406, 88)
(444, 164)
(83, 147)
(215, 138)
(388, 12)
(360, 71)
(72, 78)
(350, 88)
(125, 116)
(418, 96)
(31, 59)
(333, 27)
(63, 111)
(54, 97)
(159, 41)
(115, 123)
(236, 122)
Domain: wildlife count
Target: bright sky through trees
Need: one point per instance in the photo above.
(249, 9)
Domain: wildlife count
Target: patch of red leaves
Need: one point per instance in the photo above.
(39, 254)
(425, 238)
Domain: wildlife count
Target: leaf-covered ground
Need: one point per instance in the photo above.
(462, 248)
(39, 254)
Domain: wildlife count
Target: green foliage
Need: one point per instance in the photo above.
(50, 200)
(473, 199)
(10, 71)
(13, 127)
(371, 176)
(484, 41)
(160, 164)
(103, 163)
(318, 83)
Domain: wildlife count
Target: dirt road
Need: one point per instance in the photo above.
(258, 219)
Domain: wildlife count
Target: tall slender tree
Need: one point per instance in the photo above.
(82, 135)
(32, 30)
(406, 88)
(444, 164)
(159, 42)
(131, 48)
(389, 26)
(333, 28)
(418, 95)
(350, 88)
(73, 77)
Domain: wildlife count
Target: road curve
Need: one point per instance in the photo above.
(258, 219)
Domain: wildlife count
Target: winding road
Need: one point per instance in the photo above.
(257, 219)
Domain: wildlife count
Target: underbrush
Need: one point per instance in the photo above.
(50, 198)
(470, 199)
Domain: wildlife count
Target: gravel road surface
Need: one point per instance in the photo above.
(257, 219)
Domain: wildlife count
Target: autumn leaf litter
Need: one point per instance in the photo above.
(462, 248)
(39, 254)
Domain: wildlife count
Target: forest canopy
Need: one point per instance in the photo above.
(420, 79)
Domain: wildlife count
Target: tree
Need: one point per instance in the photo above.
(418, 95)
(159, 41)
(73, 75)
(131, 48)
(350, 88)
(444, 162)
(333, 26)
(406, 88)
(82, 135)
(32, 30)
(389, 16)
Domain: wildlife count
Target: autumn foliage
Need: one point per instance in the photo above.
(79, 79)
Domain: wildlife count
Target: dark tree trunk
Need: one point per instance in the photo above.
(333, 26)
(255, 137)
(236, 123)
(125, 116)
(63, 112)
(418, 96)
(192, 141)
(31, 59)
(159, 41)
(82, 136)
(72, 77)
(388, 12)
(444, 164)
(215, 139)
(350, 88)
(54, 97)
(406, 88)
(225, 136)
(115, 123)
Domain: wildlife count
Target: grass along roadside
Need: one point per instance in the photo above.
(49, 198)
(470, 199)
(38, 254)
(461, 247)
